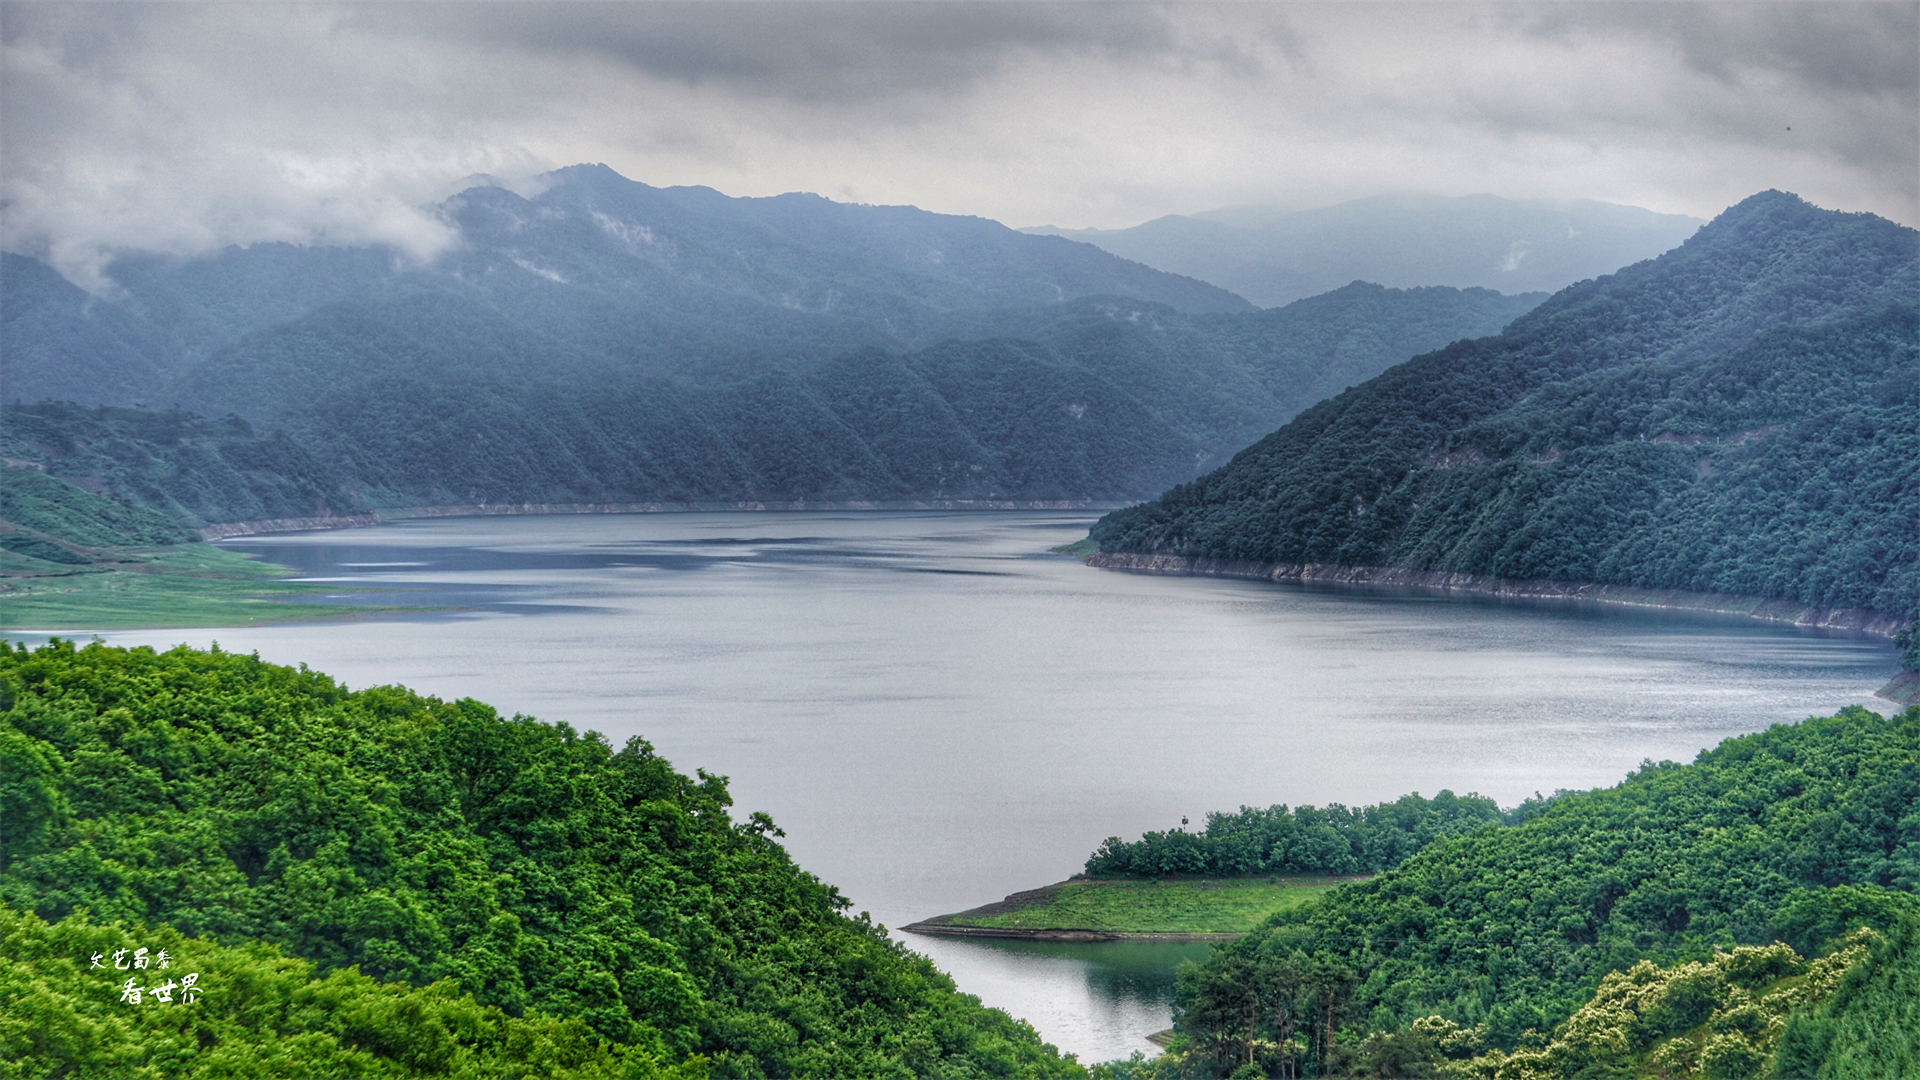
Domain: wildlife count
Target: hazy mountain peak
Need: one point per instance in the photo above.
(1273, 255)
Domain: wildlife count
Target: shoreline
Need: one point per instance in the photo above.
(1863, 620)
(229, 529)
(181, 587)
(1009, 934)
(1902, 690)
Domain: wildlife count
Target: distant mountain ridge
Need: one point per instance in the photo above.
(1274, 257)
(1100, 399)
(607, 342)
(597, 274)
(1741, 415)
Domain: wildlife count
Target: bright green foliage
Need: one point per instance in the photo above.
(1719, 1018)
(1741, 415)
(1243, 1015)
(1870, 1028)
(421, 840)
(262, 1014)
(1304, 840)
(1795, 834)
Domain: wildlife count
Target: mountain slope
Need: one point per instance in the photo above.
(1272, 257)
(190, 470)
(46, 524)
(534, 867)
(1100, 399)
(610, 342)
(1796, 834)
(56, 341)
(597, 273)
(1740, 415)
(424, 400)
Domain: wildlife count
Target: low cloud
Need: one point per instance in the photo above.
(181, 128)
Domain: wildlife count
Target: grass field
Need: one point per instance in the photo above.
(1230, 906)
(184, 586)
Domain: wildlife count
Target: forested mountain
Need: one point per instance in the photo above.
(414, 403)
(569, 908)
(596, 277)
(1629, 931)
(1274, 257)
(1741, 415)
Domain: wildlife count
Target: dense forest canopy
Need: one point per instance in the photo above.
(1333, 839)
(1497, 939)
(517, 869)
(1741, 415)
(79, 1006)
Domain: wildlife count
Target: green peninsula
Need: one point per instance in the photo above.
(1092, 909)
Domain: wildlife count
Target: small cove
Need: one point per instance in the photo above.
(939, 713)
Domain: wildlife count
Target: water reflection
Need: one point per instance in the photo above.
(1097, 1000)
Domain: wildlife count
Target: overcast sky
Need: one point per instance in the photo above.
(181, 127)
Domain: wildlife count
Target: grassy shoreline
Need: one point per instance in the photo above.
(189, 585)
(1109, 909)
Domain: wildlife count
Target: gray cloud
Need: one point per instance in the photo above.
(838, 53)
(1866, 49)
(1846, 76)
(180, 127)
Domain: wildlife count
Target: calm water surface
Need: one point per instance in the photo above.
(939, 713)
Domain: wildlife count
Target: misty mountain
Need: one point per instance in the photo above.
(598, 276)
(1273, 256)
(418, 401)
(1741, 415)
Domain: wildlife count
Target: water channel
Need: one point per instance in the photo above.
(939, 712)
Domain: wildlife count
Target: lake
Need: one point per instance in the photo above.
(939, 712)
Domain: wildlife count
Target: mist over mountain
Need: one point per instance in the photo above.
(1273, 256)
(610, 342)
(597, 275)
(1741, 415)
